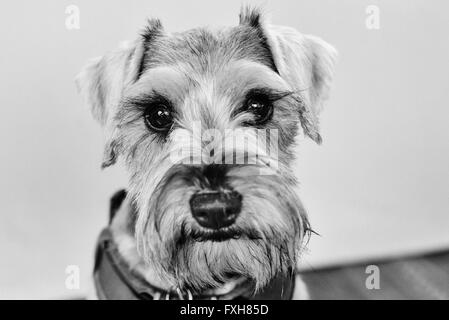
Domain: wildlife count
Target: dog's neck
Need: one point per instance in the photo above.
(122, 230)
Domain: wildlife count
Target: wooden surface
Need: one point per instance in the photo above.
(422, 277)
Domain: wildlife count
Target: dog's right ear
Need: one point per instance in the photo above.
(102, 81)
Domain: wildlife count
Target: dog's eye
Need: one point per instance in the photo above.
(158, 118)
(262, 109)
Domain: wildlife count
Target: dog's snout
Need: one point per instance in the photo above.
(216, 210)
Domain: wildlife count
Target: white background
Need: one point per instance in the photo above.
(377, 187)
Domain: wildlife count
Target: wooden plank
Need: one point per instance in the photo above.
(425, 277)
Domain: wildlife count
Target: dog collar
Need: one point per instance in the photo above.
(115, 280)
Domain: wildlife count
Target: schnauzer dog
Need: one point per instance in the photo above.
(213, 215)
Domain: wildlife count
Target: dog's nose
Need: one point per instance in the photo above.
(215, 210)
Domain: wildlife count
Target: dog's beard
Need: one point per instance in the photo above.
(264, 241)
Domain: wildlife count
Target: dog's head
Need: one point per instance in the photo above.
(205, 122)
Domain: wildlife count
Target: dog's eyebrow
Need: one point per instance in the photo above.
(270, 94)
(142, 101)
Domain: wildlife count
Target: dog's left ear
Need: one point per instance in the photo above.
(305, 62)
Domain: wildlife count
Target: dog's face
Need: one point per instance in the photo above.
(206, 216)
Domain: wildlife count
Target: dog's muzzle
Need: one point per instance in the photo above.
(115, 279)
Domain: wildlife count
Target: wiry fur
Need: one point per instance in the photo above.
(206, 75)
